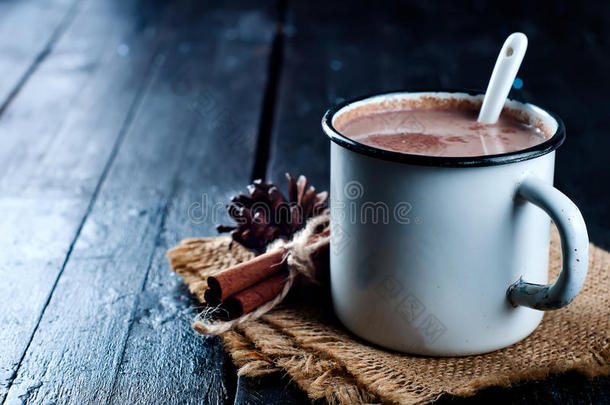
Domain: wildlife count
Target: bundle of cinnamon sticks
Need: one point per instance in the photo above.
(246, 286)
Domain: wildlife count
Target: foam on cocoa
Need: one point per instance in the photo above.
(434, 126)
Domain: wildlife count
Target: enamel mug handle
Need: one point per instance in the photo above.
(574, 248)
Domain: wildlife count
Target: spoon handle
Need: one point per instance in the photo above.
(502, 77)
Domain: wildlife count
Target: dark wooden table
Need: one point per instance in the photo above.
(123, 124)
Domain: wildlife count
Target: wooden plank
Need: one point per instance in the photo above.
(272, 389)
(75, 354)
(336, 52)
(28, 31)
(58, 135)
(275, 388)
(570, 388)
(163, 356)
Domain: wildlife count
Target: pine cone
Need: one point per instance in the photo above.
(264, 214)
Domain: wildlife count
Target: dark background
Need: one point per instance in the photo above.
(120, 119)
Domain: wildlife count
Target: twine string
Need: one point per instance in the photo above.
(298, 258)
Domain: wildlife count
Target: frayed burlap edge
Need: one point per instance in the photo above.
(327, 362)
(260, 349)
(345, 349)
(273, 345)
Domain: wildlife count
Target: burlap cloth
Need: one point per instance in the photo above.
(303, 339)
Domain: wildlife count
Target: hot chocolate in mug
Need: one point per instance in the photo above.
(447, 256)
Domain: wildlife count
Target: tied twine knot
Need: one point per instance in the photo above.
(298, 258)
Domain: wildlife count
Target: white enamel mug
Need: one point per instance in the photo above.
(448, 256)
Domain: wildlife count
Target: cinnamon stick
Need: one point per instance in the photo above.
(243, 275)
(253, 297)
